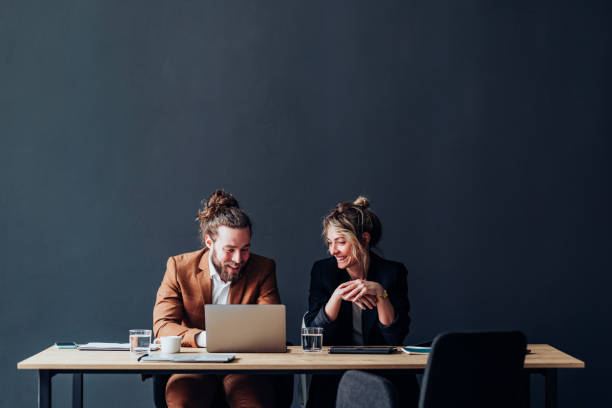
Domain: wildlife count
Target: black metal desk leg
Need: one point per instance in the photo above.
(550, 377)
(77, 390)
(44, 389)
(525, 394)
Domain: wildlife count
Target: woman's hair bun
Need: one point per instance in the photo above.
(362, 202)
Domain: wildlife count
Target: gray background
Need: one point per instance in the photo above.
(479, 130)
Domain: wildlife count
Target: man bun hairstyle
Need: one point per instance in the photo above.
(221, 209)
(352, 219)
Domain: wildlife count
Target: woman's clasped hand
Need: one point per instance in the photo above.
(362, 292)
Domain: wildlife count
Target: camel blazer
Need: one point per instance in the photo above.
(187, 287)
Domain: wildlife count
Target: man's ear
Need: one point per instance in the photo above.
(366, 239)
(208, 241)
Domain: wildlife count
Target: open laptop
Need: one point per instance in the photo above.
(245, 328)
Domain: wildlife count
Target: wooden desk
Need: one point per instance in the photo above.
(544, 360)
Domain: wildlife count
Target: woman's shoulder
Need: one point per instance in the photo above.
(324, 270)
(325, 264)
(385, 264)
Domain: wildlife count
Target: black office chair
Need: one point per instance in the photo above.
(475, 370)
(360, 389)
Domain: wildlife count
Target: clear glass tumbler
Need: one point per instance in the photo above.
(140, 340)
(312, 339)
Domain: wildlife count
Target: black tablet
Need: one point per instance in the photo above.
(361, 350)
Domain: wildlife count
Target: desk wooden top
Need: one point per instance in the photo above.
(542, 356)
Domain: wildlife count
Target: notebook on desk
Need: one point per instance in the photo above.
(189, 357)
(361, 350)
(245, 328)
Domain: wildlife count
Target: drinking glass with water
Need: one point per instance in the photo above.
(312, 339)
(140, 341)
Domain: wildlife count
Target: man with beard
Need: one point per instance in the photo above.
(224, 271)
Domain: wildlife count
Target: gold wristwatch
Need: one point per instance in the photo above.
(384, 295)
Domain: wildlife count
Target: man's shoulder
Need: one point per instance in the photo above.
(188, 259)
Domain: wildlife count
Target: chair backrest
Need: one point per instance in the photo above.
(481, 369)
(360, 389)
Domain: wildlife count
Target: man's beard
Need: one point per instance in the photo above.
(220, 267)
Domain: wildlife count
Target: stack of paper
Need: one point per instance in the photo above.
(111, 346)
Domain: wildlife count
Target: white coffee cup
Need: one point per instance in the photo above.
(170, 344)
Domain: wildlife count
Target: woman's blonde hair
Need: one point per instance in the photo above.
(352, 219)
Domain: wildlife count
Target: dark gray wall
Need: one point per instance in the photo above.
(479, 130)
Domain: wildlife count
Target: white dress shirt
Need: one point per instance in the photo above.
(220, 289)
(220, 295)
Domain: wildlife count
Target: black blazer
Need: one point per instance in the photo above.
(325, 278)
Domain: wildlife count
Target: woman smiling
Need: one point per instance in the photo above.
(357, 297)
